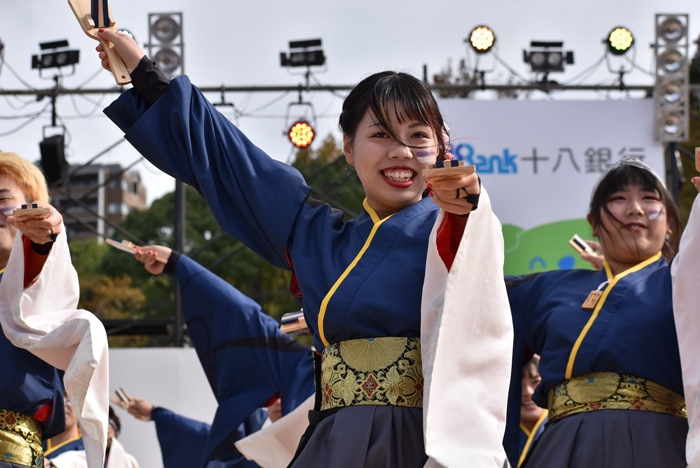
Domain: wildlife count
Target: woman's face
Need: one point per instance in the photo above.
(639, 229)
(389, 170)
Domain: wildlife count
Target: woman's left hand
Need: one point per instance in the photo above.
(39, 231)
(451, 194)
(696, 181)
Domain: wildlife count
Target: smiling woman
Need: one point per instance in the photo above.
(613, 362)
(360, 281)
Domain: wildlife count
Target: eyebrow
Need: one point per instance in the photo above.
(4, 190)
(413, 125)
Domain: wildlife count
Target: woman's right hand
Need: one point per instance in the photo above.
(140, 409)
(148, 254)
(126, 47)
(596, 261)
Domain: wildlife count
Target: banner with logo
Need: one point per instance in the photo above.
(540, 161)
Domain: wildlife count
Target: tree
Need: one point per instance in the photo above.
(113, 285)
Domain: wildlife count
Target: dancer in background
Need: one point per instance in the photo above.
(41, 331)
(249, 364)
(532, 417)
(610, 365)
(373, 288)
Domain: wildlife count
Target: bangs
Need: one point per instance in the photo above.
(621, 177)
(391, 93)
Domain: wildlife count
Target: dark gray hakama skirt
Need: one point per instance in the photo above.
(612, 439)
(367, 436)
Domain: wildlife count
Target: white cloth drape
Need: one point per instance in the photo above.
(43, 320)
(274, 445)
(467, 346)
(685, 271)
(118, 458)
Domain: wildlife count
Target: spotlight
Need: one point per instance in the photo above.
(167, 60)
(301, 134)
(482, 39)
(165, 43)
(671, 30)
(547, 56)
(303, 54)
(620, 40)
(671, 91)
(57, 58)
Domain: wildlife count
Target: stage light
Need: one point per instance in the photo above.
(482, 39)
(303, 54)
(547, 56)
(301, 134)
(671, 91)
(671, 61)
(58, 58)
(165, 43)
(620, 40)
(671, 29)
(167, 60)
(166, 29)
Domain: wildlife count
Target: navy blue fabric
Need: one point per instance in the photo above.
(524, 436)
(612, 439)
(27, 383)
(633, 334)
(244, 356)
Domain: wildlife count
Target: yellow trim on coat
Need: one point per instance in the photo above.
(3, 270)
(530, 436)
(611, 284)
(50, 449)
(324, 305)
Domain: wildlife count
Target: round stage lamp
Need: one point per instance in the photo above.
(555, 59)
(166, 29)
(301, 134)
(671, 61)
(167, 60)
(671, 123)
(482, 39)
(671, 91)
(620, 40)
(671, 30)
(537, 59)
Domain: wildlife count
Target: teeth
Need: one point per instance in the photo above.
(398, 176)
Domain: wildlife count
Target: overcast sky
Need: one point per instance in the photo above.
(238, 43)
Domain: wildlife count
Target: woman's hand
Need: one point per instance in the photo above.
(39, 231)
(451, 194)
(595, 260)
(140, 409)
(696, 181)
(148, 254)
(126, 47)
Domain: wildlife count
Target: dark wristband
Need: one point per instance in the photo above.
(42, 249)
(473, 200)
(172, 261)
(149, 81)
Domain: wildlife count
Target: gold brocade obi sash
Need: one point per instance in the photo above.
(372, 371)
(607, 390)
(20, 439)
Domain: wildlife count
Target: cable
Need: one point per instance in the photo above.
(333, 92)
(96, 107)
(634, 64)
(19, 77)
(590, 69)
(92, 77)
(512, 72)
(24, 124)
(265, 106)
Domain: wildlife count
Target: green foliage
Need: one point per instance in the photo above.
(114, 285)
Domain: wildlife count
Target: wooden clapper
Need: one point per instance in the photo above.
(92, 16)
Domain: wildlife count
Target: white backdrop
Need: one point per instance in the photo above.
(540, 161)
(167, 377)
